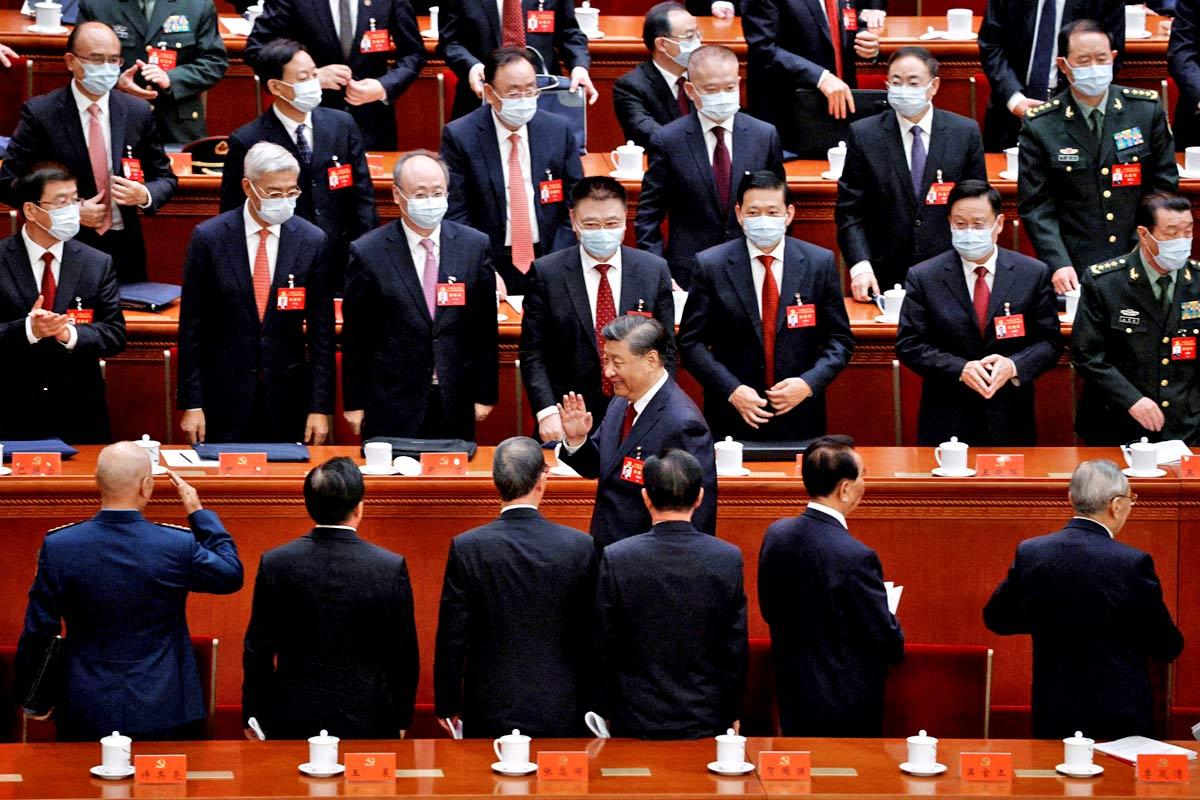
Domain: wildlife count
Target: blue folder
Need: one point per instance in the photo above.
(149, 296)
(37, 446)
(276, 451)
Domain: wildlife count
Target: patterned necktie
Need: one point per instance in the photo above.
(512, 26)
(681, 97)
(983, 298)
(345, 28)
(518, 208)
(1164, 291)
(627, 421)
(100, 165)
(262, 274)
(429, 278)
(49, 285)
(918, 162)
(606, 312)
(1040, 58)
(302, 146)
(835, 34)
(770, 317)
(721, 168)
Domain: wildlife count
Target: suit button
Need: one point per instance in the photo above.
(1109, 216)
(1166, 340)
(1166, 403)
(917, 223)
(1104, 171)
(195, 115)
(1166, 361)
(1112, 239)
(1129, 330)
(1136, 158)
(1163, 382)
(1107, 193)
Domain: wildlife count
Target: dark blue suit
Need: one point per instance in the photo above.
(1095, 609)
(672, 632)
(939, 334)
(479, 197)
(722, 343)
(121, 583)
(679, 189)
(832, 636)
(392, 348)
(558, 338)
(257, 381)
(644, 102)
(671, 419)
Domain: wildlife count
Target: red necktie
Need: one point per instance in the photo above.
(100, 170)
(262, 275)
(770, 315)
(681, 96)
(983, 298)
(512, 26)
(518, 205)
(721, 168)
(49, 285)
(835, 34)
(627, 422)
(606, 312)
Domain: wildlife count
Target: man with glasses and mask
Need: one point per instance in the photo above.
(337, 195)
(979, 324)
(1088, 157)
(891, 211)
(1095, 610)
(108, 140)
(651, 94)
(765, 328)
(1135, 334)
(695, 163)
(419, 341)
(59, 315)
(256, 329)
(575, 293)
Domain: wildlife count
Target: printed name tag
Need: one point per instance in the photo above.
(1010, 326)
(376, 42)
(451, 294)
(1003, 465)
(160, 769)
(986, 767)
(1189, 466)
(785, 765)
(804, 316)
(370, 767)
(453, 464)
(1183, 348)
(1127, 175)
(163, 58)
(242, 464)
(1163, 768)
(562, 765)
(131, 168)
(341, 177)
(540, 22)
(631, 470)
(938, 194)
(849, 19)
(80, 316)
(290, 299)
(550, 191)
(41, 464)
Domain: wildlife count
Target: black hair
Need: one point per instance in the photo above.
(598, 187)
(827, 462)
(1147, 210)
(763, 179)
(1079, 26)
(517, 465)
(657, 22)
(29, 187)
(672, 480)
(273, 57)
(333, 490)
(502, 57)
(973, 187)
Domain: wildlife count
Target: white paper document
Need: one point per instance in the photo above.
(185, 458)
(1129, 748)
(236, 25)
(893, 595)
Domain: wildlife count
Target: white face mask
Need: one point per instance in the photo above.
(763, 230)
(909, 101)
(306, 95)
(1173, 253)
(64, 222)
(1092, 81)
(274, 210)
(686, 48)
(971, 244)
(517, 111)
(99, 79)
(720, 106)
(427, 212)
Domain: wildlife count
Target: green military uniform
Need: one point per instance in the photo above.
(1080, 186)
(1131, 342)
(189, 27)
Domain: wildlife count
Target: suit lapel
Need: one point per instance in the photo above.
(116, 124)
(821, 19)
(741, 276)
(1002, 286)
(794, 267)
(492, 14)
(1077, 128)
(285, 266)
(894, 139)
(488, 151)
(741, 157)
(662, 92)
(577, 291)
(17, 260)
(323, 144)
(448, 251)
(327, 26)
(72, 125)
(631, 287)
(68, 279)
(699, 150)
(952, 276)
(130, 10)
(406, 270)
(238, 259)
(643, 425)
(937, 151)
(540, 170)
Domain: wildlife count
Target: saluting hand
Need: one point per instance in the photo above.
(187, 495)
(576, 419)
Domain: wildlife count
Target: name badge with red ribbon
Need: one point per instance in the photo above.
(80, 315)
(41, 464)
(801, 315)
(849, 19)
(938, 194)
(1127, 175)
(540, 22)
(631, 470)
(451, 294)
(1183, 348)
(374, 41)
(290, 298)
(1009, 326)
(550, 190)
(341, 176)
(162, 58)
(131, 168)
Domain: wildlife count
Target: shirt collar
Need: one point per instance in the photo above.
(1085, 109)
(515, 506)
(290, 124)
(252, 226)
(35, 250)
(589, 263)
(1101, 524)
(414, 238)
(990, 264)
(667, 76)
(707, 124)
(339, 527)
(83, 102)
(777, 253)
(644, 400)
(833, 512)
(502, 133)
(925, 123)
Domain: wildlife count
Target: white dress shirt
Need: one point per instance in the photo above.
(83, 103)
(924, 125)
(35, 251)
(639, 406)
(710, 138)
(334, 12)
(669, 78)
(833, 512)
(970, 276)
(290, 125)
(502, 134)
(515, 506)
(757, 270)
(1019, 97)
(418, 250)
(252, 240)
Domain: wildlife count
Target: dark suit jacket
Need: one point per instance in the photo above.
(202, 59)
(1183, 62)
(832, 636)
(558, 339)
(879, 217)
(1006, 45)
(343, 214)
(120, 583)
(644, 103)
(938, 335)
(679, 188)
(479, 197)
(470, 29)
(514, 628)
(51, 391)
(672, 631)
(332, 640)
(227, 356)
(311, 23)
(50, 130)
(390, 346)
(670, 420)
(1087, 600)
(722, 344)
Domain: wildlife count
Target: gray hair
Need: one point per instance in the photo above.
(1094, 484)
(410, 155)
(265, 158)
(517, 466)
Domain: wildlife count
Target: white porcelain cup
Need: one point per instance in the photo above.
(512, 749)
(323, 750)
(731, 750)
(1191, 160)
(379, 455)
(49, 15)
(588, 18)
(1072, 296)
(837, 159)
(254, 12)
(958, 22)
(729, 455)
(1011, 155)
(627, 159)
(1077, 750)
(1, 455)
(1135, 20)
(952, 455)
(152, 448)
(1141, 456)
(922, 750)
(433, 18)
(889, 302)
(115, 752)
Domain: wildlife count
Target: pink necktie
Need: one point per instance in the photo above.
(262, 275)
(518, 204)
(100, 165)
(429, 278)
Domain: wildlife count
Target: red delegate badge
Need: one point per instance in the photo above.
(163, 58)
(290, 299)
(1183, 348)
(540, 22)
(631, 470)
(376, 42)
(340, 177)
(1127, 175)
(804, 316)
(938, 193)
(1010, 326)
(80, 316)
(451, 294)
(849, 19)
(131, 168)
(550, 191)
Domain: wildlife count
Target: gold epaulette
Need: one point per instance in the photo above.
(1044, 107)
(1144, 94)
(1106, 266)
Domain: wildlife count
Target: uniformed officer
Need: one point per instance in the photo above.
(173, 53)
(1088, 157)
(1136, 331)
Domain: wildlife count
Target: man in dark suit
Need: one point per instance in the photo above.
(515, 623)
(891, 212)
(1095, 610)
(256, 338)
(332, 639)
(173, 53)
(337, 194)
(979, 324)
(833, 635)
(513, 169)
(672, 617)
(419, 342)
(690, 182)
(1018, 47)
(59, 315)
(1183, 62)
(651, 94)
(120, 583)
(469, 30)
(765, 328)
(367, 55)
(575, 293)
(107, 140)
(648, 414)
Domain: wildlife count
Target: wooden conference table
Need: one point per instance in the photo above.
(948, 541)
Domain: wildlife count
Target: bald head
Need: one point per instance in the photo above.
(93, 37)
(121, 473)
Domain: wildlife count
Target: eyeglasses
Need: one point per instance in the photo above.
(518, 94)
(422, 195)
(291, 194)
(56, 205)
(1131, 497)
(601, 226)
(99, 61)
(683, 37)
(981, 226)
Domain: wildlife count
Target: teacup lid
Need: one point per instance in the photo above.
(515, 736)
(922, 738)
(953, 444)
(728, 444)
(731, 736)
(115, 739)
(1078, 738)
(895, 291)
(629, 146)
(840, 148)
(323, 738)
